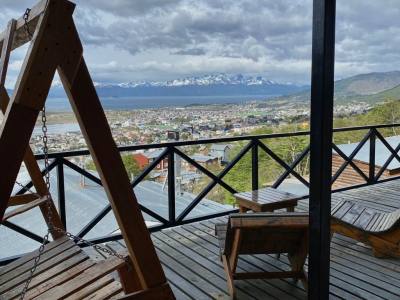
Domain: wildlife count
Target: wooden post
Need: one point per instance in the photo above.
(321, 120)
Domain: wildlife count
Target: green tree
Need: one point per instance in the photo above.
(130, 164)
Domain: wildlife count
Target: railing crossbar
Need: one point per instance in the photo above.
(149, 168)
(205, 171)
(211, 185)
(394, 154)
(29, 185)
(351, 156)
(298, 160)
(348, 161)
(83, 172)
(283, 164)
(171, 150)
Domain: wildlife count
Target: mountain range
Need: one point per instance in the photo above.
(371, 88)
(207, 85)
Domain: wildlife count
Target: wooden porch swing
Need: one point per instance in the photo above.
(63, 270)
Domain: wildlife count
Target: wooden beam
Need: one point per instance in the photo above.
(25, 208)
(321, 121)
(6, 50)
(21, 36)
(22, 199)
(29, 159)
(28, 99)
(94, 126)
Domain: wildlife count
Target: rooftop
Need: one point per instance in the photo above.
(382, 153)
(85, 202)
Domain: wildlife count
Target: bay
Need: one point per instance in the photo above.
(129, 103)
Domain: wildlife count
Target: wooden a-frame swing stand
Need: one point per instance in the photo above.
(55, 47)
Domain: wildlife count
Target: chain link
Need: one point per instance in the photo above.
(88, 243)
(51, 228)
(26, 25)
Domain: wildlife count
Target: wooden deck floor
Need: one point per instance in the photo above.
(189, 255)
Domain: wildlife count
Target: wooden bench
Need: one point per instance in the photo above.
(64, 272)
(264, 233)
(380, 230)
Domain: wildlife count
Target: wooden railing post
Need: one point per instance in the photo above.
(254, 165)
(171, 184)
(372, 144)
(61, 192)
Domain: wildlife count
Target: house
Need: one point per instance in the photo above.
(146, 158)
(350, 176)
(203, 160)
(141, 160)
(221, 151)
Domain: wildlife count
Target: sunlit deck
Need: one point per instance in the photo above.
(190, 257)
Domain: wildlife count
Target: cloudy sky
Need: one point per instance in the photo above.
(128, 40)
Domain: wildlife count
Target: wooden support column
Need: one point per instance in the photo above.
(322, 84)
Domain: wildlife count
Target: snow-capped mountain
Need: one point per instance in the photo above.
(207, 85)
(206, 80)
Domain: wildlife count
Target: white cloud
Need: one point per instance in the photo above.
(161, 39)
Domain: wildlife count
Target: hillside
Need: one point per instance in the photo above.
(372, 88)
(367, 84)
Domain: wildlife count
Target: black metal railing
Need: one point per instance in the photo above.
(253, 145)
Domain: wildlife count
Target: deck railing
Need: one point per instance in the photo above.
(253, 144)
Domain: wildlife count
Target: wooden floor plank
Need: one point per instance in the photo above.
(276, 288)
(210, 261)
(197, 264)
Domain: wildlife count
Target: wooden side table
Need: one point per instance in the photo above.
(266, 200)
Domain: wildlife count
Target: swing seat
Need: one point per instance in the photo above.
(64, 272)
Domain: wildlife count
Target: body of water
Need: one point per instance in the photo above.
(57, 129)
(129, 103)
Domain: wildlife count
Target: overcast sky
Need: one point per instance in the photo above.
(128, 40)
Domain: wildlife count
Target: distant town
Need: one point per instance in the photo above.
(146, 126)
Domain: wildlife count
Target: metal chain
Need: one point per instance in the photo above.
(95, 246)
(51, 227)
(26, 25)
